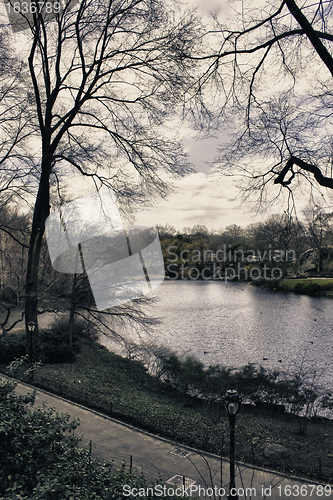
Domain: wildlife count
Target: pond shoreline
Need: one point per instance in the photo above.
(314, 287)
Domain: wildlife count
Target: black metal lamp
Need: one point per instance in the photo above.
(232, 401)
(31, 327)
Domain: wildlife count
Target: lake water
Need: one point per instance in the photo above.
(234, 324)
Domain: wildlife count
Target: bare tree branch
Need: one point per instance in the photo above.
(275, 60)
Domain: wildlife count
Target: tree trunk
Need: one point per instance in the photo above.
(72, 311)
(41, 212)
(315, 40)
(319, 259)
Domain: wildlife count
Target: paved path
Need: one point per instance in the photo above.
(163, 460)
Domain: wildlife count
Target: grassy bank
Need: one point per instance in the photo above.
(301, 286)
(308, 285)
(122, 388)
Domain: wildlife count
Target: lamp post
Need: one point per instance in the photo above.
(232, 402)
(31, 328)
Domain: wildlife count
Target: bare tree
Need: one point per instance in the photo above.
(16, 164)
(274, 67)
(106, 76)
(316, 225)
(278, 232)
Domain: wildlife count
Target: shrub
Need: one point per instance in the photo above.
(255, 383)
(186, 376)
(217, 381)
(55, 344)
(313, 289)
(12, 346)
(272, 285)
(300, 288)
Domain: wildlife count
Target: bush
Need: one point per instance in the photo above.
(300, 288)
(12, 346)
(255, 383)
(307, 289)
(272, 285)
(190, 377)
(314, 289)
(269, 389)
(55, 344)
(185, 376)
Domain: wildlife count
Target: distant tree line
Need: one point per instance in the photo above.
(294, 247)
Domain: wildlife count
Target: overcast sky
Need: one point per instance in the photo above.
(204, 198)
(201, 197)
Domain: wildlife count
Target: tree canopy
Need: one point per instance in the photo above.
(92, 92)
(274, 69)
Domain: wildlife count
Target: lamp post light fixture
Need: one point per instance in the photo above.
(232, 402)
(31, 327)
